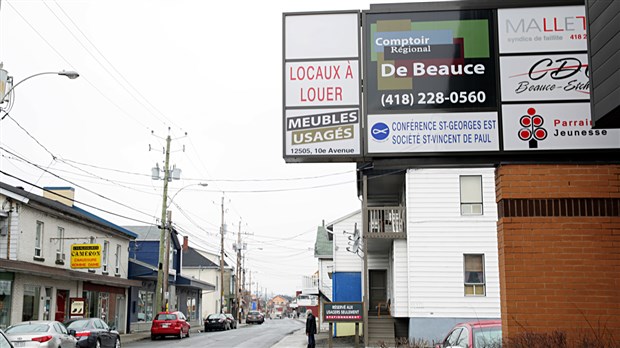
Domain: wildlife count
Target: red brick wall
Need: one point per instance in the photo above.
(559, 248)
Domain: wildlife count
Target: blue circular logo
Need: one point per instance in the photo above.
(380, 131)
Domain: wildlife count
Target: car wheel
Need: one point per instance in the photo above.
(187, 333)
(98, 344)
(117, 344)
(153, 337)
(181, 333)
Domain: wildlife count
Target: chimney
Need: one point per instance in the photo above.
(64, 195)
(185, 246)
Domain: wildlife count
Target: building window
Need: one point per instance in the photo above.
(31, 304)
(38, 240)
(474, 274)
(60, 250)
(117, 263)
(471, 194)
(104, 256)
(145, 305)
(192, 309)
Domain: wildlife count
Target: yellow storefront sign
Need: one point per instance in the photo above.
(85, 255)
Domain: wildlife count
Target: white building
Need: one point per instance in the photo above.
(429, 257)
(37, 280)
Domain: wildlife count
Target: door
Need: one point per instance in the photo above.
(377, 280)
(62, 304)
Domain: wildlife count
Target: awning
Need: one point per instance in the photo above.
(64, 274)
(144, 271)
(185, 282)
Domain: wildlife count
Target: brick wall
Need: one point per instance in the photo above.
(559, 248)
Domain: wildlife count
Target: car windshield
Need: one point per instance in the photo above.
(166, 316)
(78, 324)
(254, 313)
(488, 337)
(213, 316)
(27, 328)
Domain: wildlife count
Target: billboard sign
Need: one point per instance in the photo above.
(542, 29)
(454, 132)
(563, 126)
(85, 255)
(545, 77)
(429, 60)
(322, 103)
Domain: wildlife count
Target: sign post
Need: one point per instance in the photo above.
(343, 312)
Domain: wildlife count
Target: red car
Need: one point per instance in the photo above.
(170, 324)
(474, 334)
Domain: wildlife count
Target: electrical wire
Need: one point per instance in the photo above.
(85, 204)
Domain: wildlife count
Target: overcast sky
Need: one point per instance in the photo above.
(211, 69)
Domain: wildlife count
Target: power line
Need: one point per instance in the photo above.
(85, 204)
(111, 65)
(71, 65)
(77, 185)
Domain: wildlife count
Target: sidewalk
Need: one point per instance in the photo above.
(298, 339)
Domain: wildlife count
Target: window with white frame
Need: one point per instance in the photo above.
(60, 240)
(471, 194)
(38, 240)
(473, 269)
(117, 263)
(104, 255)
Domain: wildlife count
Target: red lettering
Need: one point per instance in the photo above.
(545, 25)
(555, 25)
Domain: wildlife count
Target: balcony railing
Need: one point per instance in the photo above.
(385, 220)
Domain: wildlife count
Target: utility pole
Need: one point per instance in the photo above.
(238, 274)
(159, 293)
(222, 261)
(167, 260)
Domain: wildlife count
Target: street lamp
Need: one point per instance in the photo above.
(164, 247)
(7, 81)
(183, 188)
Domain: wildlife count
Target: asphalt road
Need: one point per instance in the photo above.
(250, 336)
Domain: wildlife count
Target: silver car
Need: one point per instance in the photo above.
(40, 334)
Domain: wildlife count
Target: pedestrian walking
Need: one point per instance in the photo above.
(310, 329)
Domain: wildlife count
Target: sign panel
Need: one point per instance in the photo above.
(429, 61)
(450, 132)
(77, 306)
(320, 36)
(542, 29)
(545, 77)
(323, 132)
(326, 83)
(321, 87)
(85, 255)
(565, 126)
(343, 311)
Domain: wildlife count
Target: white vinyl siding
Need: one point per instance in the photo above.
(438, 236)
(400, 301)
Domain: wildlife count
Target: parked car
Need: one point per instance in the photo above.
(94, 333)
(255, 317)
(40, 334)
(474, 334)
(216, 321)
(170, 324)
(232, 322)
(4, 341)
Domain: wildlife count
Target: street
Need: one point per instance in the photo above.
(254, 336)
